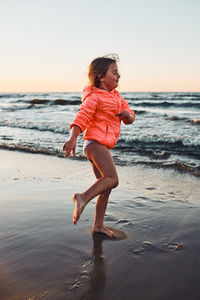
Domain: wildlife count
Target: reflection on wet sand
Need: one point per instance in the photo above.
(92, 276)
(97, 278)
(96, 269)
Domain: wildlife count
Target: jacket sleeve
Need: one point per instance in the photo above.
(86, 113)
(125, 106)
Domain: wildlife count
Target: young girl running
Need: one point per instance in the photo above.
(100, 116)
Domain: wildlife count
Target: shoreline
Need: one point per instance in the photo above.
(44, 256)
(182, 168)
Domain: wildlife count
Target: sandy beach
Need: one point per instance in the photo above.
(154, 212)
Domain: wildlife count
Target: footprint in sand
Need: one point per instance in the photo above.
(124, 222)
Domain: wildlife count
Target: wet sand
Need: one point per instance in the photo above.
(155, 214)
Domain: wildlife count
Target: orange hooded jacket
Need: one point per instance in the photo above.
(97, 115)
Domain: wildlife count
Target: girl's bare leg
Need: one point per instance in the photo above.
(103, 161)
(100, 208)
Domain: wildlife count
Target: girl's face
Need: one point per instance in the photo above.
(110, 80)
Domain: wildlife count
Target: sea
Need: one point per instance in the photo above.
(165, 133)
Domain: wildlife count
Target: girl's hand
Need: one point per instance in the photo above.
(125, 116)
(69, 146)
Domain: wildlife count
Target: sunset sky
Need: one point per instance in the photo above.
(47, 45)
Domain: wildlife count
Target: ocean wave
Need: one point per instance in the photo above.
(176, 165)
(189, 95)
(12, 95)
(161, 96)
(159, 147)
(38, 101)
(37, 150)
(165, 104)
(37, 104)
(128, 142)
(177, 118)
(140, 112)
(178, 141)
(15, 108)
(40, 127)
(28, 149)
(55, 102)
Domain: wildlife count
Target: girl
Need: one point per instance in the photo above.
(100, 114)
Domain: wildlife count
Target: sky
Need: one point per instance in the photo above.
(47, 45)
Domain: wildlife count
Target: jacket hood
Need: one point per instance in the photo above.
(88, 90)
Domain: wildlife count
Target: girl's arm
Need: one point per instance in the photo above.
(83, 117)
(126, 117)
(70, 144)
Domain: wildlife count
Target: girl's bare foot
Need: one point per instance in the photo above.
(79, 206)
(104, 230)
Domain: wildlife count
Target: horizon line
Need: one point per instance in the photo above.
(155, 91)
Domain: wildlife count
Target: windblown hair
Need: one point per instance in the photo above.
(98, 68)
